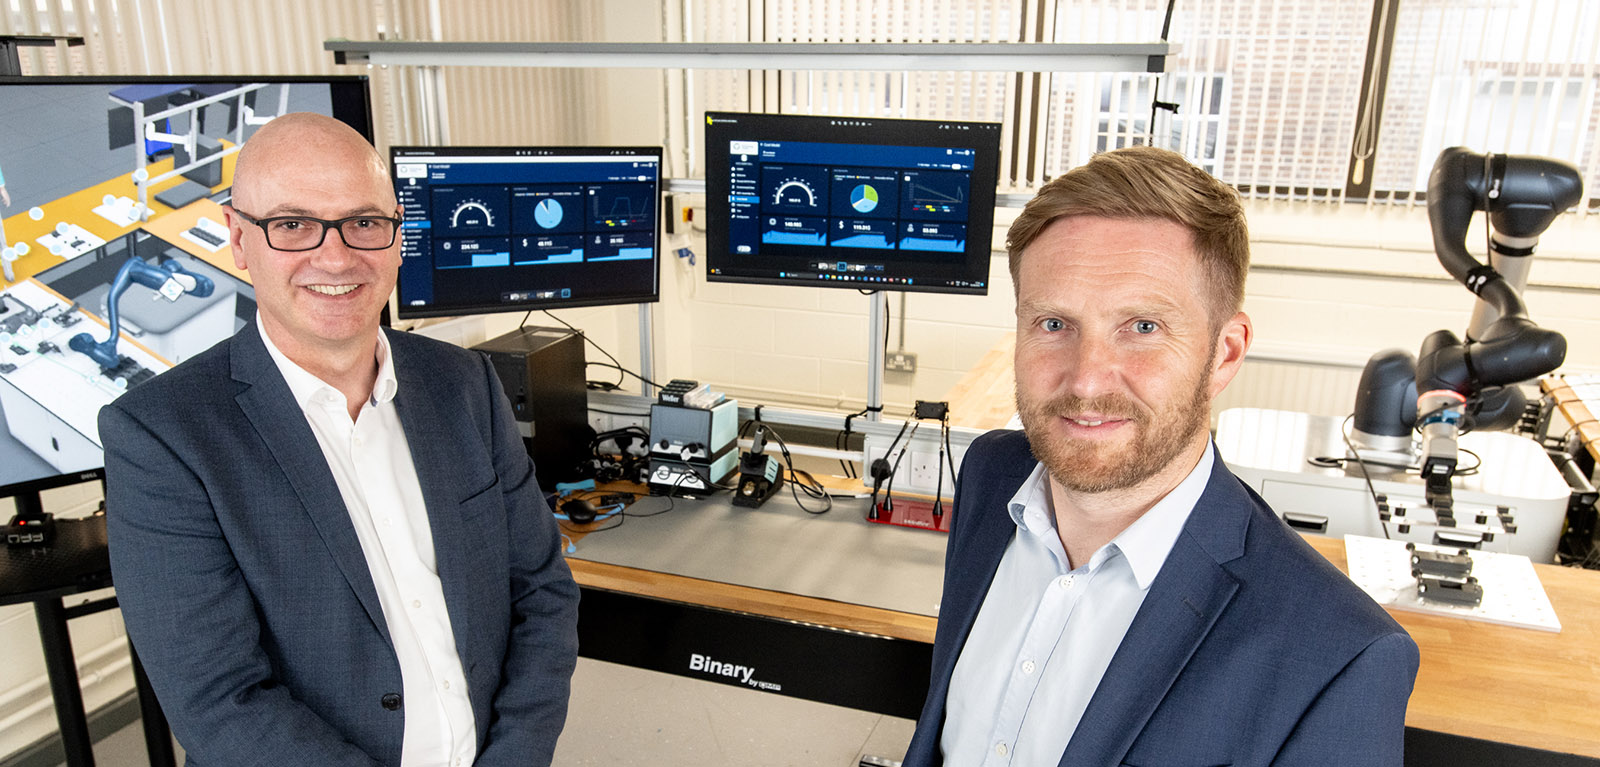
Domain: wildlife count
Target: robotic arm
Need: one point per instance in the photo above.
(170, 280)
(1452, 381)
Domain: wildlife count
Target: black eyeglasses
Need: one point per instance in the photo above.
(295, 233)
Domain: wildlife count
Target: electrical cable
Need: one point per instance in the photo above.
(884, 471)
(618, 412)
(622, 515)
(888, 488)
(841, 441)
(601, 349)
(608, 386)
(1360, 462)
(810, 486)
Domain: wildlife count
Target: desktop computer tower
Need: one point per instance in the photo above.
(542, 371)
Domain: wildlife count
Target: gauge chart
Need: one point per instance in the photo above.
(469, 211)
(794, 189)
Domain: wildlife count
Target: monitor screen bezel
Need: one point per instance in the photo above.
(720, 128)
(346, 109)
(459, 310)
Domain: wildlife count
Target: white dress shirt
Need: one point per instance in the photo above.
(1047, 631)
(371, 463)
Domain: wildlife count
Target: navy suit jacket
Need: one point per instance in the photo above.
(245, 590)
(1250, 647)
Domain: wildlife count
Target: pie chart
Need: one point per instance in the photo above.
(863, 198)
(547, 213)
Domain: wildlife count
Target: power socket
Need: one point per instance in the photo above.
(603, 422)
(900, 362)
(919, 470)
(923, 469)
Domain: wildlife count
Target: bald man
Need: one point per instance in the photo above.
(326, 537)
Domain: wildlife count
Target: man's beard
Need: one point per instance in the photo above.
(1094, 466)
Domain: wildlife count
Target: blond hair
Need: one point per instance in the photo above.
(1149, 183)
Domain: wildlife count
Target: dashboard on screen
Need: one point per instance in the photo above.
(850, 202)
(495, 229)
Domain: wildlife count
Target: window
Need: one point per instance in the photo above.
(1284, 99)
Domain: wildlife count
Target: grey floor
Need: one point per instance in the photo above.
(623, 716)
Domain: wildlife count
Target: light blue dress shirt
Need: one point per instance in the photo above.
(1047, 631)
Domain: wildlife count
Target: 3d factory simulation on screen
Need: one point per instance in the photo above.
(115, 248)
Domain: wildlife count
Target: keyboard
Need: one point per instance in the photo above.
(206, 236)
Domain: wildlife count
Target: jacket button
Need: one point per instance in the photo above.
(391, 701)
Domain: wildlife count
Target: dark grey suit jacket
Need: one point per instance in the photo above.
(245, 590)
(1249, 649)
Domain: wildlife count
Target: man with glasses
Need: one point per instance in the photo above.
(327, 539)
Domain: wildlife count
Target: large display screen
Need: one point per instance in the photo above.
(112, 217)
(496, 229)
(850, 202)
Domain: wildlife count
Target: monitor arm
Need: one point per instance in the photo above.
(170, 280)
(1451, 381)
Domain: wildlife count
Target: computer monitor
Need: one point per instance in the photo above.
(498, 229)
(98, 220)
(850, 202)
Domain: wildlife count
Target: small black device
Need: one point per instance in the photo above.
(1466, 593)
(30, 530)
(672, 393)
(1439, 564)
(579, 511)
(542, 372)
(760, 474)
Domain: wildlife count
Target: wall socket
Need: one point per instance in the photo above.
(920, 468)
(900, 362)
(603, 422)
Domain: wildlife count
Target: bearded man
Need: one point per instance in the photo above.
(1113, 594)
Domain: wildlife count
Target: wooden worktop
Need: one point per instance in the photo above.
(1479, 680)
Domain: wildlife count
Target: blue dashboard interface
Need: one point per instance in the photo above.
(896, 204)
(804, 193)
(501, 229)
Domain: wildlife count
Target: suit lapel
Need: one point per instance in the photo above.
(1174, 619)
(436, 454)
(278, 420)
(1186, 598)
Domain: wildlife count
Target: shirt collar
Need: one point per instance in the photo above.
(308, 388)
(1146, 543)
